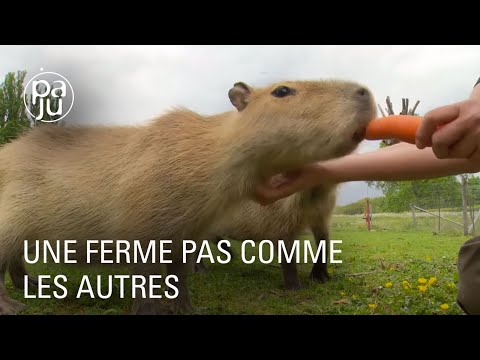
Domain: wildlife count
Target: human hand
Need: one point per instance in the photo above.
(453, 131)
(288, 183)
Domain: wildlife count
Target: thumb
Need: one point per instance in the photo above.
(275, 189)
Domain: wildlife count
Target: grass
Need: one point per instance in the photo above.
(379, 275)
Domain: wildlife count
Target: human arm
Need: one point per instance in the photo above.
(399, 162)
(395, 163)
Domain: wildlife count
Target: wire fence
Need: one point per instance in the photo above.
(441, 210)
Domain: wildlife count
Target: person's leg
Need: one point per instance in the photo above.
(469, 277)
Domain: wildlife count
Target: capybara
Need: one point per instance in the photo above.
(169, 178)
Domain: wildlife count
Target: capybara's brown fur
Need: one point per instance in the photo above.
(169, 178)
(284, 220)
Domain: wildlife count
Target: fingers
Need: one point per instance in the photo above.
(268, 193)
(475, 158)
(459, 139)
(290, 182)
(280, 186)
(444, 139)
(284, 178)
(466, 148)
(432, 120)
(463, 149)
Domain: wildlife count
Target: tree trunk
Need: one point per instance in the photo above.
(414, 219)
(464, 204)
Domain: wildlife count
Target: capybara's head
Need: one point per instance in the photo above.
(295, 122)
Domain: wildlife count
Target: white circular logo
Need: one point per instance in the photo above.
(47, 97)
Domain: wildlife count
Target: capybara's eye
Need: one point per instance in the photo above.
(283, 91)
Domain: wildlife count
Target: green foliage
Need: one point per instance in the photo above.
(354, 208)
(13, 117)
(473, 189)
(439, 192)
(358, 207)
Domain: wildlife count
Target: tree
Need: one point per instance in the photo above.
(14, 118)
(473, 200)
(440, 192)
(464, 178)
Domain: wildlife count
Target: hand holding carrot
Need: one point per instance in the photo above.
(288, 183)
(452, 131)
(459, 135)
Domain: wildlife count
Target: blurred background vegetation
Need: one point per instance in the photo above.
(14, 118)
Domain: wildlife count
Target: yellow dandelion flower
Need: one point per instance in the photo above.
(343, 293)
(432, 281)
(406, 285)
(354, 297)
(372, 306)
(422, 280)
(428, 258)
(388, 284)
(444, 307)
(451, 286)
(422, 288)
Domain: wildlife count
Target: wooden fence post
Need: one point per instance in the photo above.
(414, 219)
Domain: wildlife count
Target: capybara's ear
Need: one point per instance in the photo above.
(239, 95)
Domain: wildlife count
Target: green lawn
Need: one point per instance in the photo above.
(379, 275)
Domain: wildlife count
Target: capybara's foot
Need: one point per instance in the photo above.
(291, 281)
(319, 274)
(19, 282)
(9, 306)
(293, 284)
(160, 307)
(183, 306)
(18, 272)
(200, 267)
(151, 307)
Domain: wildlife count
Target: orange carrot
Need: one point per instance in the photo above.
(400, 127)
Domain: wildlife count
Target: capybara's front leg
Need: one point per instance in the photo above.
(182, 302)
(150, 307)
(200, 267)
(224, 246)
(289, 271)
(164, 306)
(319, 270)
(8, 306)
(17, 271)
(142, 303)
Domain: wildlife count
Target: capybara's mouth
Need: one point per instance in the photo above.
(359, 135)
